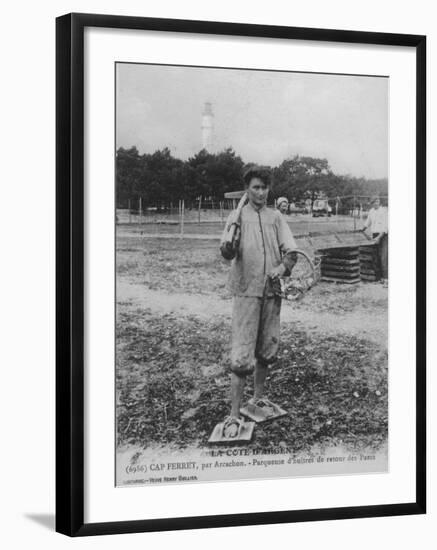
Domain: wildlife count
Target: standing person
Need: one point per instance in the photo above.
(264, 253)
(282, 205)
(377, 224)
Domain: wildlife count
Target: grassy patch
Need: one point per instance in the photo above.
(173, 385)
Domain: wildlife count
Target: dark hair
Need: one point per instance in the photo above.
(260, 172)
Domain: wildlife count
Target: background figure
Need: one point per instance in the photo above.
(282, 205)
(377, 224)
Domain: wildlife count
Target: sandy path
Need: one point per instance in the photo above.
(361, 323)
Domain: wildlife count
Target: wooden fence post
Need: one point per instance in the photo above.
(182, 217)
(355, 219)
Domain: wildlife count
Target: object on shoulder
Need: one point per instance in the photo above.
(233, 235)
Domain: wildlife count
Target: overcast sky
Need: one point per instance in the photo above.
(265, 116)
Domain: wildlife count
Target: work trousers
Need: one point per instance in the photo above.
(383, 255)
(255, 332)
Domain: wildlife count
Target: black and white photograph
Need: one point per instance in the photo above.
(251, 274)
(210, 340)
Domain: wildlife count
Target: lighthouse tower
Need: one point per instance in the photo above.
(207, 127)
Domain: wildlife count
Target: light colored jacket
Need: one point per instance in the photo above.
(265, 239)
(377, 220)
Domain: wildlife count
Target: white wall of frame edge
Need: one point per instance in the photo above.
(104, 502)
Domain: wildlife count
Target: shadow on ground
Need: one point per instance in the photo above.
(46, 520)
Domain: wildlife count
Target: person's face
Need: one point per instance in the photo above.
(376, 204)
(283, 207)
(257, 192)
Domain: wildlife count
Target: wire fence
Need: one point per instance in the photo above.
(208, 218)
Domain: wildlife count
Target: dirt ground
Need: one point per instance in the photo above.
(173, 338)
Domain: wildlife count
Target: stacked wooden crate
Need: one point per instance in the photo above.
(341, 265)
(369, 264)
(345, 257)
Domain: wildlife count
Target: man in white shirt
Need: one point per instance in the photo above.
(377, 224)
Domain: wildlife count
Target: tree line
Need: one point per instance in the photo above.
(160, 178)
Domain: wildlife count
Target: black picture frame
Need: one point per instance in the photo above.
(70, 272)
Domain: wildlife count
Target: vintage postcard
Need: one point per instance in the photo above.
(251, 274)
